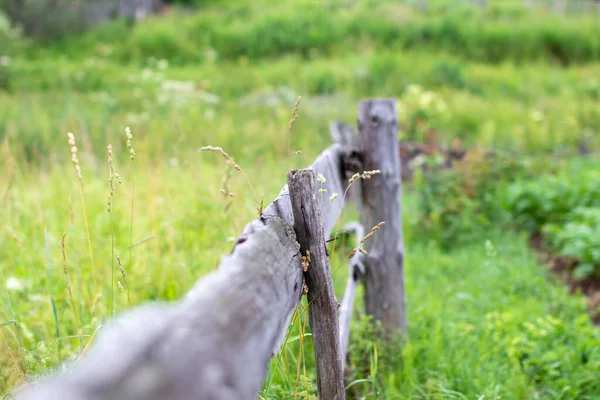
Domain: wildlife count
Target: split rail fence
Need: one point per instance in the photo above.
(217, 341)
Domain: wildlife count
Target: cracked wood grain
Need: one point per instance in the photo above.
(322, 303)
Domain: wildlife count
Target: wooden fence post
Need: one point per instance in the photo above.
(322, 303)
(356, 270)
(385, 298)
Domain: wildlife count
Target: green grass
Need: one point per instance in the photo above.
(530, 108)
(475, 311)
(486, 321)
(269, 29)
(178, 207)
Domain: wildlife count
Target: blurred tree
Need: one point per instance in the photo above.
(51, 19)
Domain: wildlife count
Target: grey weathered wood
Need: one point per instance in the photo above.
(347, 137)
(344, 134)
(217, 341)
(322, 303)
(381, 201)
(356, 271)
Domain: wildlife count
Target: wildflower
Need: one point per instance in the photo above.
(129, 143)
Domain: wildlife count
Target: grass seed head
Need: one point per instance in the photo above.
(364, 175)
(130, 143)
(295, 112)
(74, 158)
(223, 153)
(111, 176)
(64, 254)
(120, 265)
(225, 193)
(373, 230)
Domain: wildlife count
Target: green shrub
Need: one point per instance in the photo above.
(565, 208)
(456, 204)
(449, 73)
(309, 28)
(161, 39)
(10, 41)
(275, 34)
(46, 20)
(550, 352)
(10, 37)
(551, 199)
(322, 82)
(422, 112)
(578, 238)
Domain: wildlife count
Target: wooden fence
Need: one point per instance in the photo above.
(216, 342)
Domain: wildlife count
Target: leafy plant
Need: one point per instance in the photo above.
(579, 238)
(456, 203)
(551, 199)
(547, 350)
(423, 111)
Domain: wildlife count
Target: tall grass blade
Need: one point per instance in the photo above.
(12, 321)
(52, 302)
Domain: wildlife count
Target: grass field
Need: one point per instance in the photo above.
(486, 321)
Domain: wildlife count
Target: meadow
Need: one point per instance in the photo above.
(486, 319)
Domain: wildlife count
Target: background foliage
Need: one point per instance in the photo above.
(514, 84)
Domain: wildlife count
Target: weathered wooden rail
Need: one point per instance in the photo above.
(216, 342)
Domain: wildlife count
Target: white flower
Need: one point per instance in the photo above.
(14, 284)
